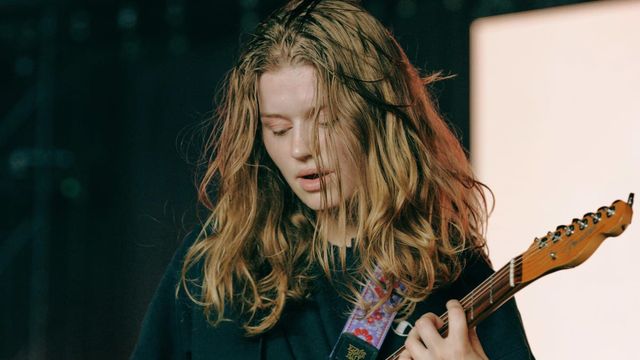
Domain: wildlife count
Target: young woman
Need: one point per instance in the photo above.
(329, 166)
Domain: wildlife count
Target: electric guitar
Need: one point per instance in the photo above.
(566, 247)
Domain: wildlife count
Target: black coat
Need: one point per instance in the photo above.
(175, 328)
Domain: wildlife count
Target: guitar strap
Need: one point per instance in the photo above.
(362, 337)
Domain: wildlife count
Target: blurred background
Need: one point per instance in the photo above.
(99, 119)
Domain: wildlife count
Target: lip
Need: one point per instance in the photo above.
(309, 171)
(312, 185)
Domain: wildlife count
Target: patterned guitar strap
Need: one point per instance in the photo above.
(362, 337)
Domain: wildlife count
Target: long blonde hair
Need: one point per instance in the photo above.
(418, 205)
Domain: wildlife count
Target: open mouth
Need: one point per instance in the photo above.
(311, 182)
(313, 176)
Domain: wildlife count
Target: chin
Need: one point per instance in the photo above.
(314, 202)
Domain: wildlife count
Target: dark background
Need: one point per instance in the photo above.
(99, 116)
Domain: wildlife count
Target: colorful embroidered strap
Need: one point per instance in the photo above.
(363, 336)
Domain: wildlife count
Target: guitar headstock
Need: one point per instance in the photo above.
(570, 245)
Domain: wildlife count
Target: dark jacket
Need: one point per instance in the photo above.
(175, 328)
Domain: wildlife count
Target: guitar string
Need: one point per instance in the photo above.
(465, 300)
(534, 257)
(481, 289)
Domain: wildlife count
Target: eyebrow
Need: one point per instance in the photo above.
(276, 115)
(269, 115)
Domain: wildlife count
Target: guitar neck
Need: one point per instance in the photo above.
(487, 297)
(567, 247)
(490, 294)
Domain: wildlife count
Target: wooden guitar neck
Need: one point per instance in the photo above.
(566, 247)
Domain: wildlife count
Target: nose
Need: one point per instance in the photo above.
(300, 143)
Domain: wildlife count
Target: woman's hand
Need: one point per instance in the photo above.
(424, 340)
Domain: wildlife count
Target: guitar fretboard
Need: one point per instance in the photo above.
(567, 247)
(486, 297)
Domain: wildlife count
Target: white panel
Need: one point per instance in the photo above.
(556, 133)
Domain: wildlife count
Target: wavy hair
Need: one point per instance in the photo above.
(417, 206)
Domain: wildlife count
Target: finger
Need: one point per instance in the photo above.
(414, 347)
(427, 328)
(457, 320)
(404, 355)
(475, 343)
(439, 322)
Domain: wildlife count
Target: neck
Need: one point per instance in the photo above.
(341, 237)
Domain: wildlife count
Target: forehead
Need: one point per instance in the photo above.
(287, 89)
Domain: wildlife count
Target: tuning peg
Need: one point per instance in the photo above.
(630, 200)
(570, 230)
(594, 216)
(611, 210)
(582, 224)
(542, 242)
(556, 236)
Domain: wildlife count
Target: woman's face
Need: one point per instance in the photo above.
(287, 101)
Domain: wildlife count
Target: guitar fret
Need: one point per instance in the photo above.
(491, 291)
(523, 269)
(482, 298)
(512, 282)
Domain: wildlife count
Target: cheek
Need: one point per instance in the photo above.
(350, 178)
(348, 167)
(275, 153)
(268, 147)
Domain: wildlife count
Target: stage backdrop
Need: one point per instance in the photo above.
(555, 132)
